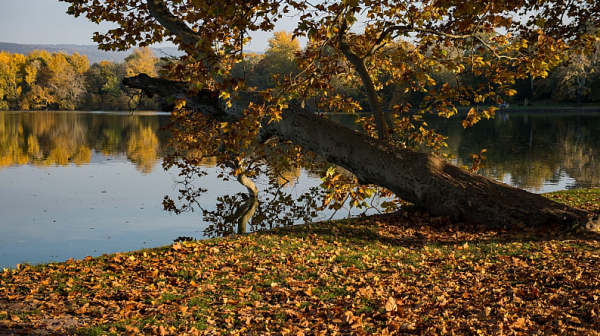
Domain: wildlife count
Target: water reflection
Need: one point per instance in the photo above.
(74, 184)
(275, 207)
(532, 151)
(65, 138)
(537, 152)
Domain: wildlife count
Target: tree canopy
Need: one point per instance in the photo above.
(367, 45)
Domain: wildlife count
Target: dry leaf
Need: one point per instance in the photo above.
(390, 305)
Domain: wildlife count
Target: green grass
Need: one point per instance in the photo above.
(586, 199)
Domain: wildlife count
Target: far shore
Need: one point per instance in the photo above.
(547, 110)
(516, 109)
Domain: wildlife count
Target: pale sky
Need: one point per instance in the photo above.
(46, 22)
(43, 22)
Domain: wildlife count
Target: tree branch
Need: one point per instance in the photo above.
(411, 28)
(420, 178)
(204, 101)
(361, 68)
(159, 10)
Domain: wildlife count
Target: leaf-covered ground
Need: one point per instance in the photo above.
(398, 274)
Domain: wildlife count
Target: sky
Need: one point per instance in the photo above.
(46, 22)
(43, 22)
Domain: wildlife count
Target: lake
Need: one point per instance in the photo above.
(74, 184)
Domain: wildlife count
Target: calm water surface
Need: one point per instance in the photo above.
(74, 184)
(537, 152)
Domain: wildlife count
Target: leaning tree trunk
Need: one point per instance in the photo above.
(423, 179)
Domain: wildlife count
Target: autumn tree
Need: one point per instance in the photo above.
(576, 76)
(66, 79)
(278, 61)
(216, 114)
(11, 80)
(141, 61)
(43, 80)
(103, 86)
(54, 80)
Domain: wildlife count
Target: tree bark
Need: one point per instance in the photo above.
(361, 68)
(422, 179)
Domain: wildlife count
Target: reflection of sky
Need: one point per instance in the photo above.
(106, 204)
(53, 213)
(564, 182)
(56, 213)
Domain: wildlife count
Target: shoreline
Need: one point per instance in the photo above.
(403, 273)
(554, 110)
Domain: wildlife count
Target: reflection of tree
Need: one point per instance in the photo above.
(66, 142)
(289, 177)
(142, 148)
(274, 208)
(271, 207)
(527, 151)
(11, 142)
(531, 150)
(579, 150)
(111, 140)
(64, 138)
(34, 150)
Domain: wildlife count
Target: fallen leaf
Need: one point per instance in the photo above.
(390, 305)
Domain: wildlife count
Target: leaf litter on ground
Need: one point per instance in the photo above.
(405, 273)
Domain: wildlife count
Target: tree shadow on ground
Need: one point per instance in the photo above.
(415, 228)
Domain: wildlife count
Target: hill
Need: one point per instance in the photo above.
(91, 51)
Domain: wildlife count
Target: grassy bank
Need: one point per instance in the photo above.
(405, 273)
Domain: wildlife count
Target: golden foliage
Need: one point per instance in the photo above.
(448, 54)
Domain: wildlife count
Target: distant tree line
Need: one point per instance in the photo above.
(57, 81)
(577, 80)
